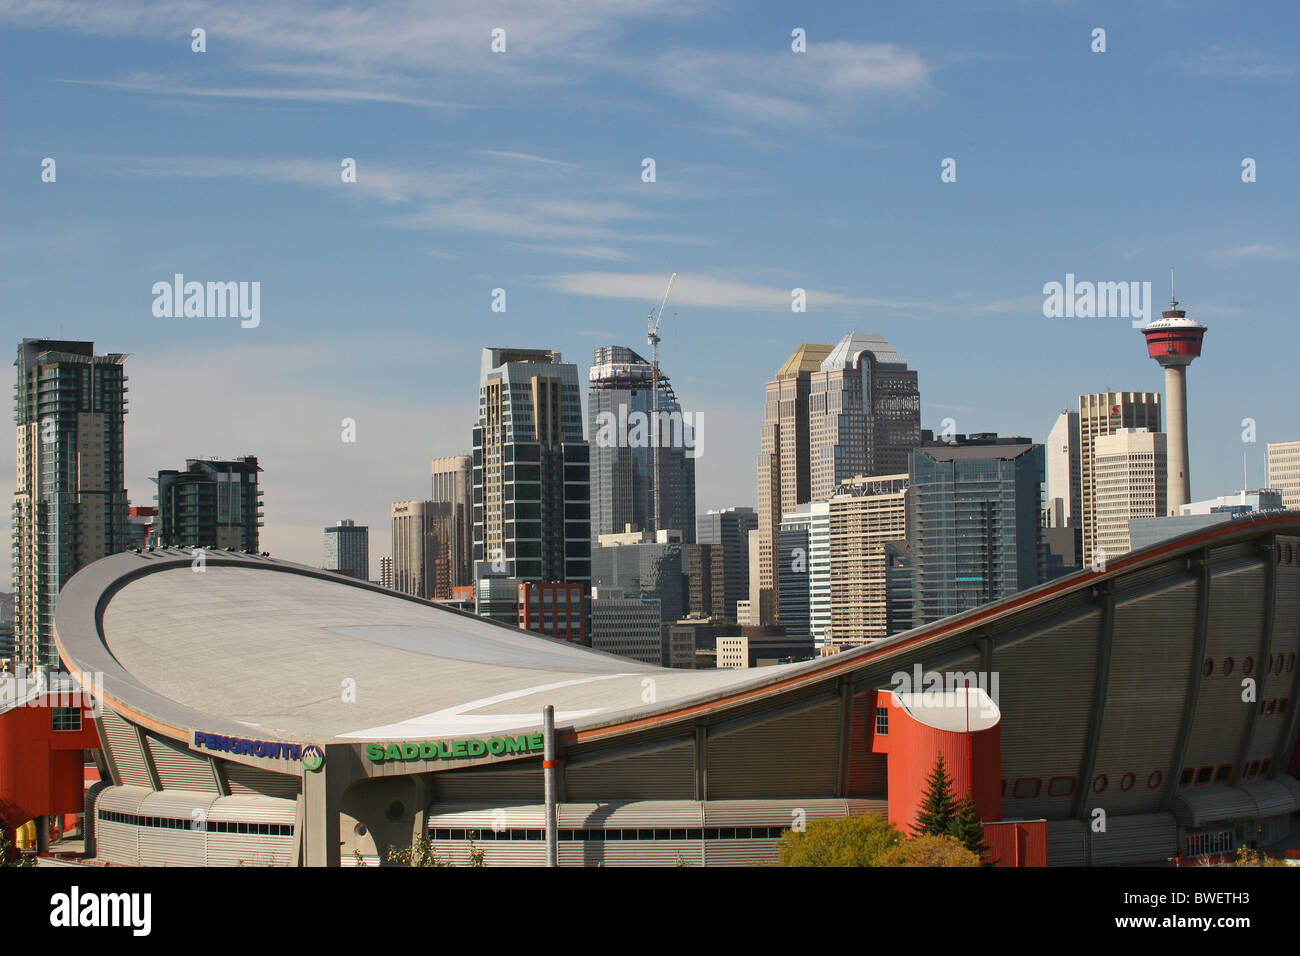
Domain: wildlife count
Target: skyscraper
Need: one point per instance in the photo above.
(973, 522)
(1284, 471)
(415, 548)
(1062, 453)
(1105, 413)
(792, 576)
(704, 577)
(729, 528)
(1174, 341)
(865, 514)
(621, 434)
(783, 466)
(532, 497)
(70, 503)
(452, 488)
(347, 550)
(864, 411)
(1131, 482)
(211, 504)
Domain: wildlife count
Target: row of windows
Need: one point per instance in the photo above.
(1203, 775)
(1274, 664)
(212, 826)
(612, 835)
(1027, 788)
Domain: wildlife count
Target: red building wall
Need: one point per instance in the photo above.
(41, 770)
(973, 762)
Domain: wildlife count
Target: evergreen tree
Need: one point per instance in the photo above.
(967, 829)
(939, 808)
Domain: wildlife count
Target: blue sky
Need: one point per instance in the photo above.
(522, 170)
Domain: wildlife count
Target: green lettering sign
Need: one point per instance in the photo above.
(447, 750)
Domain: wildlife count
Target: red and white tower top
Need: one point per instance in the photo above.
(1174, 339)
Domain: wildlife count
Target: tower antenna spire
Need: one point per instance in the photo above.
(1173, 292)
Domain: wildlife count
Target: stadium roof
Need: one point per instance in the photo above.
(255, 644)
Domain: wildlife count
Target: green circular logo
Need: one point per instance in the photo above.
(313, 758)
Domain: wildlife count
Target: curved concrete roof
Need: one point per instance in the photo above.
(252, 644)
(294, 652)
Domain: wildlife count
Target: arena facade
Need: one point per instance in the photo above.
(261, 712)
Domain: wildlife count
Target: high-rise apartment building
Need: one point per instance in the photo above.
(1100, 414)
(347, 549)
(621, 431)
(819, 570)
(453, 489)
(1131, 480)
(70, 502)
(864, 411)
(211, 504)
(783, 465)
(532, 498)
(729, 528)
(415, 548)
(865, 514)
(386, 572)
(973, 522)
(1284, 471)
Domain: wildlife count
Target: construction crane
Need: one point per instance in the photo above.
(652, 339)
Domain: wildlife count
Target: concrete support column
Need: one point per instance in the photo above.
(1180, 492)
(322, 794)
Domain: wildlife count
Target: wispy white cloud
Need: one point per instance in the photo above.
(697, 290)
(713, 292)
(526, 157)
(1234, 62)
(783, 87)
(1258, 250)
(162, 86)
(387, 182)
(592, 251)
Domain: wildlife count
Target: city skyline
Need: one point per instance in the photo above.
(755, 195)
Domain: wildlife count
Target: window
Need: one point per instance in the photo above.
(1157, 777)
(1186, 777)
(1204, 775)
(1100, 784)
(1027, 787)
(65, 719)
(1060, 786)
(882, 721)
(1209, 667)
(1223, 774)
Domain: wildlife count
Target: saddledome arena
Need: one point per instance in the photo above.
(261, 712)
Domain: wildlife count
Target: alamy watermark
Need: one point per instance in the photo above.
(56, 689)
(940, 690)
(647, 429)
(213, 300)
(1098, 300)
